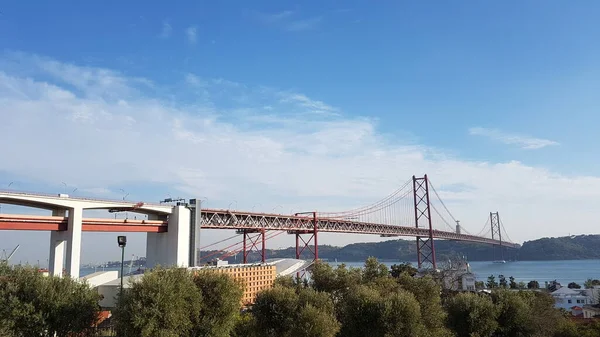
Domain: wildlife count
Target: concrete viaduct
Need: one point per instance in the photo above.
(162, 247)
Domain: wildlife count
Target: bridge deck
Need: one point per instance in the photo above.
(225, 219)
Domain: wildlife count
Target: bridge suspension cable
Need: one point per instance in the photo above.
(220, 241)
(441, 201)
(370, 208)
(441, 217)
(505, 232)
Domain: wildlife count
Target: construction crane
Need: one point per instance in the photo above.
(6, 258)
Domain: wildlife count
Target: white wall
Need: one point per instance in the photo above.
(171, 248)
(100, 277)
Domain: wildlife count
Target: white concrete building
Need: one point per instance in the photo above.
(455, 276)
(460, 277)
(568, 298)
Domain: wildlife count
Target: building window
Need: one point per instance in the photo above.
(569, 301)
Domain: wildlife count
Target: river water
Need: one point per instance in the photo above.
(563, 271)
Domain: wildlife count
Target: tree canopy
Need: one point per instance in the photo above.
(32, 304)
(175, 302)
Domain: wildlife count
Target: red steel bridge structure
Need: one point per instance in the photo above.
(410, 211)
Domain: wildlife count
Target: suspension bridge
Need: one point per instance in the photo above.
(411, 210)
(415, 209)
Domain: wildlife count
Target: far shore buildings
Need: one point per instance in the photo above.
(456, 276)
(580, 302)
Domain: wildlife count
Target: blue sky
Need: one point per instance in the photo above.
(501, 97)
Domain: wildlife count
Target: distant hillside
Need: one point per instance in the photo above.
(393, 250)
(561, 248)
(578, 247)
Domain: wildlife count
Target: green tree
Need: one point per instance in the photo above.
(427, 293)
(398, 269)
(316, 314)
(471, 315)
(514, 315)
(311, 322)
(362, 313)
(512, 284)
(502, 282)
(221, 302)
(34, 305)
(491, 282)
(275, 312)
(402, 315)
(245, 326)
(374, 270)
(522, 285)
(533, 285)
(164, 302)
(545, 319)
(287, 312)
(334, 281)
(285, 281)
(574, 285)
(323, 277)
(591, 329)
(589, 283)
(479, 285)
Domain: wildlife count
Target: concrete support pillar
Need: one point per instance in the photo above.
(178, 236)
(57, 248)
(171, 248)
(57, 252)
(154, 246)
(74, 241)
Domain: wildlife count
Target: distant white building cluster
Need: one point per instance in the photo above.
(455, 276)
(580, 302)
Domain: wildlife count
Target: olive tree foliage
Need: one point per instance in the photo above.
(590, 283)
(398, 269)
(365, 312)
(164, 302)
(514, 315)
(221, 298)
(544, 319)
(471, 315)
(174, 302)
(374, 270)
(292, 312)
(35, 305)
(245, 326)
(427, 292)
(334, 281)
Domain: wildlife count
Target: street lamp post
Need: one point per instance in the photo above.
(122, 241)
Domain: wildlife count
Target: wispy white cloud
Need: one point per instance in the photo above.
(191, 32)
(312, 106)
(275, 17)
(194, 80)
(226, 148)
(303, 24)
(288, 20)
(166, 30)
(524, 142)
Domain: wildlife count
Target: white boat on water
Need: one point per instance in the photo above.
(500, 261)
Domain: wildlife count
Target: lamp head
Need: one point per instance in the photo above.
(122, 240)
